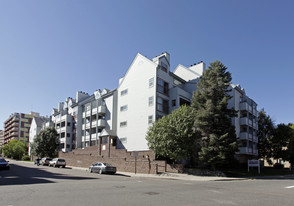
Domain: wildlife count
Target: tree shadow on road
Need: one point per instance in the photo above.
(20, 175)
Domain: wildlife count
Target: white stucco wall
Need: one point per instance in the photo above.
(137, 82)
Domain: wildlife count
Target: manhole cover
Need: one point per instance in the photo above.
(152, 193)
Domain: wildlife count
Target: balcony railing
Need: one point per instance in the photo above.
(101, 123)
(244, 106)
(244, 135)
(244, 121)
(102, 109)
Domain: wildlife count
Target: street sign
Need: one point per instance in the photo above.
(254, 163)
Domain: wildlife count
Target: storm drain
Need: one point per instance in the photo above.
(120, 186)
(152, 193)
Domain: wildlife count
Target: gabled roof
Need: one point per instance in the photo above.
(132, 65)
(40, 121)
(107, 132)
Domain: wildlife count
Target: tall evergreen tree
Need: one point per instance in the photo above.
(213, 122)
(265, 134)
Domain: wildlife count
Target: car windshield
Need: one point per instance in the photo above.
(61, 160)
(108, 165)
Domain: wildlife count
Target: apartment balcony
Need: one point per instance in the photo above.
(250, 122)
(255, 138)
(15, 129)
(101, 123)
(88, 113)
(244, 106)
(87, 138)
(62, 140)
(102, 109)
(93, 124)
(88, 125)
(255, 112)
(250, 137)
(15, 119)
(244, 135)
(14, 134)
(93, 136)
(244, 121)
(243, 150)
(254, 125)
(250, 109)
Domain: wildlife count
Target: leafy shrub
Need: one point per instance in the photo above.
(25, 158)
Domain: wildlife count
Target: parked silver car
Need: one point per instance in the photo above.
(57, 162)
(45, 161)
(100, 168)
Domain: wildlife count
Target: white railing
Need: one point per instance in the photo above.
(101, 122)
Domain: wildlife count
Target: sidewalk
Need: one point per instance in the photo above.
(173, 176)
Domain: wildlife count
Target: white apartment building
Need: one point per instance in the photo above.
(246, 123)
(65, 123)
(148, 91)
(35, 128)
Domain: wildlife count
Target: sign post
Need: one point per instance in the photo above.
(135, 155)
(254, 163)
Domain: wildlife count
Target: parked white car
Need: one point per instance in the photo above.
(56, 162)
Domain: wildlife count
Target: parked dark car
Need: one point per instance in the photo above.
(100, 168)
(45, 161)
(56, 162)
(4, 164)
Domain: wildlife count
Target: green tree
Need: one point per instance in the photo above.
(213, 123)
(172, 136)
(15, 149)
(265, 134)
(290, 146)
(280, 140)
(45, 143)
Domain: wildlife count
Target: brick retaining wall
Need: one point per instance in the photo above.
(121, 158)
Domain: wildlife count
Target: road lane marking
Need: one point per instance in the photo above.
(289, 187)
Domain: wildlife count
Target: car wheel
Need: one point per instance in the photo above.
(91, 171)
(54, 165)
(63, 166)
(100, 172)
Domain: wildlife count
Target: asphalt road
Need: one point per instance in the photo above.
(26, 184)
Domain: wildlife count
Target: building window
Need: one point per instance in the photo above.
(174, 103)
(184, 102)
(123, 124)
(124, 92)
(67, 134)
(124, 108)
(88, 108)
(163, 67)
(123, 140)
(68, 124)
(151, 82)
(162, 86)
(150, 119)
(162, 105)
(62, 135)
(150, 101)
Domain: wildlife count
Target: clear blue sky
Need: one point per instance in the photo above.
(51, 49)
